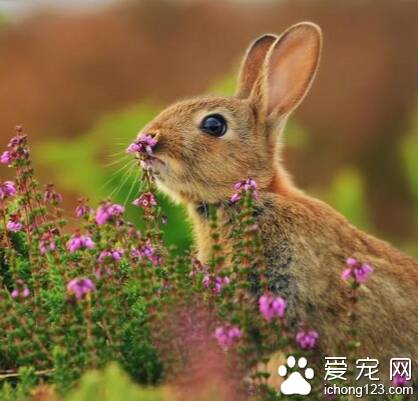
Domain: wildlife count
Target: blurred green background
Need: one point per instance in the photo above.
(84, 80)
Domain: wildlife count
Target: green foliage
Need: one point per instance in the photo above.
(409, 153)
(346, 194)
(109, 292)
(112, 384)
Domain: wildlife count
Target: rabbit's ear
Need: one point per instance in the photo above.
(252, 63)
(289, 70)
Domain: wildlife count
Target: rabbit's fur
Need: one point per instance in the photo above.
(305, 241)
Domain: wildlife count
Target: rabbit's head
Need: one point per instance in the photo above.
(207, 144)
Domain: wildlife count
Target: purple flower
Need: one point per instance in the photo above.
(113, 254)
(47, 245)
(227, 336)
(52, 196)
(149, 252)
(146, 200)
(218, 283)
(206, 281)
(271, 307)
(357, 271)
(144, 144)
(18, 140)
(7, 157)
(307, 338)
(21, 290)
(248, 185)
(82, 210)
(399, 380)
(235, 198)
(14, 226)
(7, 189)
(80, 287)
(100, 271)
(107, 211)
(78, 241)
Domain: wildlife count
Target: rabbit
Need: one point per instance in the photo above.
(208, 143)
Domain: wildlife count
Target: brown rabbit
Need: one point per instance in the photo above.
(207, 144)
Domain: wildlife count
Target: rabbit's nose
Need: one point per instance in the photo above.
(156, 135)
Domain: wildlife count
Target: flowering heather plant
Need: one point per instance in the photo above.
(71, 300)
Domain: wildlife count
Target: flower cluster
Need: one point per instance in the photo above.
(79, 241)
(16, 149)
(149, 252)
(47, 242)
(82, 208)
(7, 189)
(307, 338)
(357, 271)
(146, 200)
(46, 275)
(114, 255)
(80, 287)
(227, 336)
(14, 224)
(107, 211)
(271, 307)
(51, 195)
(143, 145)
(218, 282)
(21, 290)
(241, 187)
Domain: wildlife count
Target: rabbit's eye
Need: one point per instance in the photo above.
(214, 125)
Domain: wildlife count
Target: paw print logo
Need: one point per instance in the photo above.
(296, 383)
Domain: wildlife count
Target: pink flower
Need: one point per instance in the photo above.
(52, 196)
(271, 307)
(218, 282)
(227, 336)
(144, 144)
(146, 200)
(7, 157)
(18, 140)
(80, 287)
(107, 211)
(399, 380)
(100, 271)
(7, 189)
(82, 208)
(14, 226)
(248, 185)
(48, 245)
(113, 254)
(357, 271)
(149, 252)
(21, 290)
(206, 281)
(235, 198)
(78, 241)
(307, 338)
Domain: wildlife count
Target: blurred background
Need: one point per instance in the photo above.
(84, 76)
